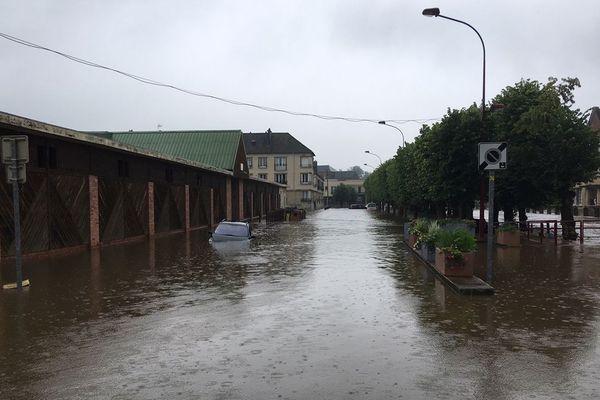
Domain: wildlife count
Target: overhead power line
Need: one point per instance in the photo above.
(206, 95)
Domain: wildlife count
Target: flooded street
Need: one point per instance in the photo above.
(333, 307)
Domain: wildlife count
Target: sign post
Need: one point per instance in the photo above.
(492, 157)
(15, 154)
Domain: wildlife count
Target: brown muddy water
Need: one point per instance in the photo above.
(333, 307)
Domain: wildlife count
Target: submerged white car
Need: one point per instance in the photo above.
(372, 206)
(232, 231)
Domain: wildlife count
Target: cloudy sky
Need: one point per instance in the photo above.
(376, 59)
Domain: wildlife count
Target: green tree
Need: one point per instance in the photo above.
(550, 148)
(519, 186)
(569, 144)
(344, 195)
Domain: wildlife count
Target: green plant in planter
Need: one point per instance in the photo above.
(419, 228)
(508, 227)
(452, 221)
(433, 231)
(456, 242)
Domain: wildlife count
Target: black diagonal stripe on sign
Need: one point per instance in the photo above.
(502, 146)
(483, 165)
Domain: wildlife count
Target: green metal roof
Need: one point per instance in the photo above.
(214, 148)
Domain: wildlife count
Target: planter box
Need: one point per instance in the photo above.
(412, 239)
(508, 238)
(406, 226)
(453, 267)
(427, 252)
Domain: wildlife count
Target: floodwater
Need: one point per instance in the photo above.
(333, 307)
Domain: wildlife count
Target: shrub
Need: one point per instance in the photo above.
(452, 221)
(508, 227)
(419, 227)
(455, 242)
(433, 231)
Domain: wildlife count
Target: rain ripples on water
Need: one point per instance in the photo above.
(334, 307)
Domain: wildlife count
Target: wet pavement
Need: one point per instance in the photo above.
(333, 307)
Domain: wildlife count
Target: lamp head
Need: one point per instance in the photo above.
(431, 12)
(367, 151)
(381, 122)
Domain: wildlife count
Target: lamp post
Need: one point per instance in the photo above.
(395, 127)
(435, 12)
(373, 154)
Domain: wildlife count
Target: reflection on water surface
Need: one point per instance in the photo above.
(331, 307)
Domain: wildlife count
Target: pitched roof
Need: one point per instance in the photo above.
(214, 148)
(325, 168)
(343, 175)
(12, 122)
(274, 143)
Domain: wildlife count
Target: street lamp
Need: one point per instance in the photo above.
(373, 154)
(370, 166)
(395, 127)
(435, 12)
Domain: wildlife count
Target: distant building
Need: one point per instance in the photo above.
(279, 157)
(587, 195)
(334, 178)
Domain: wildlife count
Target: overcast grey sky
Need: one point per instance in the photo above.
(376, 59)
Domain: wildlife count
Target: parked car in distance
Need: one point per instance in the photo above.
(371, 206)
(357, 206)
(232, 231)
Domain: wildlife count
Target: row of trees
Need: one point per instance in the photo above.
(550, 149)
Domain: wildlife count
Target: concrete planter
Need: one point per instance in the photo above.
(454, 267)
(427, 252)
(412, 239)
(406, 226)
(508, 238)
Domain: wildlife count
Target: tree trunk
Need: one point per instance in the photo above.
(509, 214)
(566, 213)
(466, 210)
(522, 219)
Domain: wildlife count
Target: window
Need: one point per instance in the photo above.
(262, 162)
(249, 162)
(122, 169)
(306, 162)
(305, 194)
(46, 156)
(263, 176)
(281, 178)
(305, 178)
(51, 157)
(280, 163)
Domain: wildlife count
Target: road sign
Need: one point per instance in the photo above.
(16, 174)
(492, 156)
(15, 154)
(22, 153)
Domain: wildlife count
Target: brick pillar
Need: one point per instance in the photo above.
(211, 216)
(186, 211)
(241, 200)
(151, 226)
(229, 200)
(94, 211)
